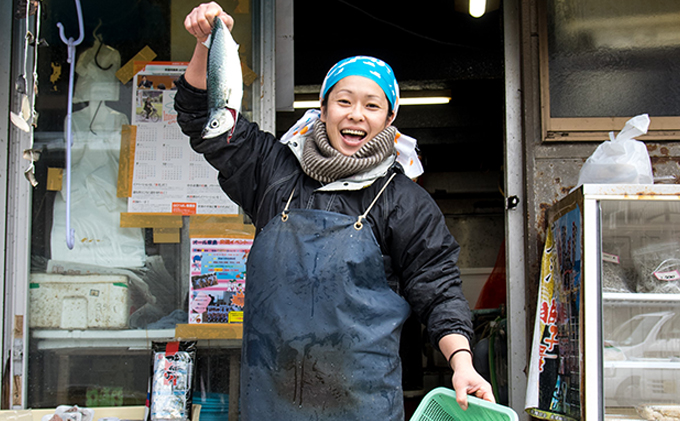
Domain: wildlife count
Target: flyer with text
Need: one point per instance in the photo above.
(218, 279)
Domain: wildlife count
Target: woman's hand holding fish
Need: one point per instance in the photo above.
(199, 21)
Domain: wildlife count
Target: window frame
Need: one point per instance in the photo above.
(570, 129)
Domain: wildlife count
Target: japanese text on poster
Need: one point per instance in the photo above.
(218, 279)
(553, 387)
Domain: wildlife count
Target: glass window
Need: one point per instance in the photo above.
(633, 331)
(605, 61)
(95, 308)
(641, 305)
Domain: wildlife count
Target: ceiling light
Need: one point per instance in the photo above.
(426, 100)
(477, 8)
(307, 104)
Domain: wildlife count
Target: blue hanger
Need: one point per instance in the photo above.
(71, 45)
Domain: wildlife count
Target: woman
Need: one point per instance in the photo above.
(347, 245)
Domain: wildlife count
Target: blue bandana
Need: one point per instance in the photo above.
(368, 67)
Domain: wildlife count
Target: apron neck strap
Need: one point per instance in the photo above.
(284, 214)
(358, 225)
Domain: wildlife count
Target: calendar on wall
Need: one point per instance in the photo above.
(167, 175)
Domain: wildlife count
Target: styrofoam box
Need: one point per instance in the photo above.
(78, 301)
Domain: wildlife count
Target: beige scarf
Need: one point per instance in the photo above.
(324, 163)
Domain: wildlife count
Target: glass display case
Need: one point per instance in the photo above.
(640, 281)
(607, 343)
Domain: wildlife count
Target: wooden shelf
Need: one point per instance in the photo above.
(209, 331)
(215, 334)
(119, 412)
(137, 339)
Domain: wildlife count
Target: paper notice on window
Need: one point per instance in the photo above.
(167, 175)
(218, 279)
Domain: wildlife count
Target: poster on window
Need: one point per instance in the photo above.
(553, 386)
(167, 175)
(218, 279)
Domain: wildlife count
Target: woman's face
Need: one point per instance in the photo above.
(356, 111)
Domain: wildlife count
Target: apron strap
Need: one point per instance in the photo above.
(284, 214)
(359, 225)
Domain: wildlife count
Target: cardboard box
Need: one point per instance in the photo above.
(78, 301)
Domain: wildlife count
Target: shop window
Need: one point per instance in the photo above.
(95, 307)
(605, 61)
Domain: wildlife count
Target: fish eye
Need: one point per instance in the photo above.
(214, 124)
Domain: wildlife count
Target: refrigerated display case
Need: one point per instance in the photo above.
(607, 339)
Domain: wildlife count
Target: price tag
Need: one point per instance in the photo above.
(611, 258)
(671, 275)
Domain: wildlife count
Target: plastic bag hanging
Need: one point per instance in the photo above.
(71, 45)
(31, 154)
(622, 159)
(22, 119)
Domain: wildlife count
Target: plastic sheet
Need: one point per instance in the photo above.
(95, 209)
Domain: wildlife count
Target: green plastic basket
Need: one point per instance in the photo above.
(440, 405)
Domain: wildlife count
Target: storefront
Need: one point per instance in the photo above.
(506, 147)
(121, 207)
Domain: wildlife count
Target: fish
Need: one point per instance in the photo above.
(224, 81)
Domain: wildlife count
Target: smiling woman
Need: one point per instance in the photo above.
(347, 246)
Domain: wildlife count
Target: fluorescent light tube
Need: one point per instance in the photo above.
(307, 104)
(428, 100)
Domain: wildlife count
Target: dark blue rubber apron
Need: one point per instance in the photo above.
(321, 325)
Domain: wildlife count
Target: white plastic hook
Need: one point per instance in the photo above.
(71, 46)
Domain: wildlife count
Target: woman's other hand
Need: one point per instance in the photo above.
(466, 381)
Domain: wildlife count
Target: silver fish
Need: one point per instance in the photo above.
(225, 81)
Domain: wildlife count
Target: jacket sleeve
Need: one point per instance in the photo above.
(424, 254)
(245, 160)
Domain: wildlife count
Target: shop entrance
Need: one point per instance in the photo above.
(436, 49)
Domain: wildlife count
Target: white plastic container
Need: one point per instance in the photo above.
(78, 301)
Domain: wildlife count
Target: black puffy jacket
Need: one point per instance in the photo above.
(259, 173)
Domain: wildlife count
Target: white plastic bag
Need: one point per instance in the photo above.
(70, 413)
(620, 160)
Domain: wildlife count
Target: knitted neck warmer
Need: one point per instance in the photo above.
(324, 163)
